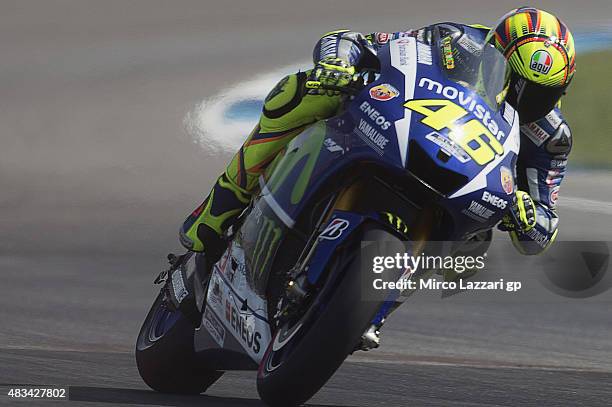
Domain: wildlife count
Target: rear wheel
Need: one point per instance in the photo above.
(165, 355)
(303, 355)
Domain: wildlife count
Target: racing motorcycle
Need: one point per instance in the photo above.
(427, 138)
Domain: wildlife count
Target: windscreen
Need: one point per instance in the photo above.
(469, 62)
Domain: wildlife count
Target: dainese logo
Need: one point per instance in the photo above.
(541, 62)
(383, 92)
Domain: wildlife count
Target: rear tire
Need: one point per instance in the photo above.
(292, 372)
(165, 355)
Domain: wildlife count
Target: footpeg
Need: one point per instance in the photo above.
(370, 339)
(175, 262)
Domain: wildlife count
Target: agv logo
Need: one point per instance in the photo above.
(541, 62)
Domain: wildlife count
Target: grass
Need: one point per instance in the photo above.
(588, 110)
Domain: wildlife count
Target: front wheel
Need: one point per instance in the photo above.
(165, 355)
(302, 357)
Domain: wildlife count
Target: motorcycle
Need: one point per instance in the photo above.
(427, 139)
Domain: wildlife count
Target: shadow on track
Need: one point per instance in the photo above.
(147, 397)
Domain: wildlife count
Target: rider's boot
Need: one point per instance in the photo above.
(287, 110)
(202, 232)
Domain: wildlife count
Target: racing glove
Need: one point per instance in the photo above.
(329, 76)
(522, 215)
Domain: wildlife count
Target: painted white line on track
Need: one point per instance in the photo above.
(207, 124)
(585, 205)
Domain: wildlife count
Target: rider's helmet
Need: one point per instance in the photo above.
(540, 51)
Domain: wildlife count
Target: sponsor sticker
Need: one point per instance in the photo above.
(507, 181)
(448, 146)
(332, 146)
(478, 212)
(424, 54)
(554, 119)
(371, 136)
(541, 62)
(541, 239)
(447, 51)
(216, 294)
(214, 326)
(404, 58)
(553, 177)
(558, 163)
(243, 327)
(470, 45)
(180, 292)
(375, 116)
(554, 197)
(334, 229)
(384, 92)
(509, 113)
(535, 133)
(382, 38)
(494, 200)
(406, 34)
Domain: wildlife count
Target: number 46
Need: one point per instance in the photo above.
(472, 136)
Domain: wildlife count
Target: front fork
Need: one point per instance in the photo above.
(418, 234)
(348, 199)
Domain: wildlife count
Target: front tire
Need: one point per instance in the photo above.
(297, 364)
(165, 355)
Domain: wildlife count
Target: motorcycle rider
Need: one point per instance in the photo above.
(540, 52)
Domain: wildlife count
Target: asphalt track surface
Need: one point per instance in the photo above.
(97, 171)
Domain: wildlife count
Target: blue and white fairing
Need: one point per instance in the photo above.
(413, 70)
(476, 179)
